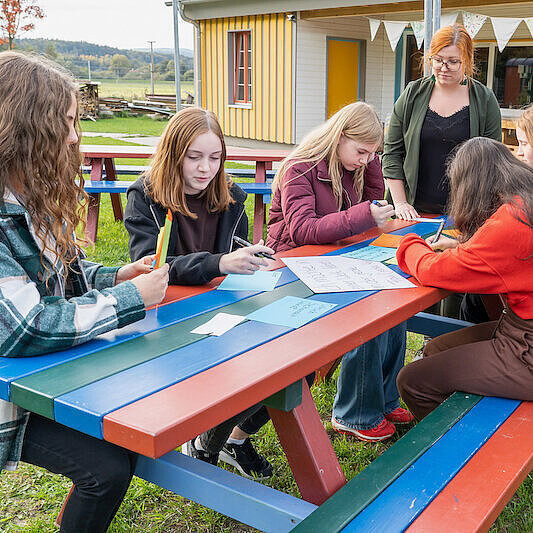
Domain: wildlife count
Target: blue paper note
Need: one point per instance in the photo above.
(372, 253)
(291, 311)
(261, 280)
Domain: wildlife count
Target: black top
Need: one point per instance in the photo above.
(439, 136)
(194, 267)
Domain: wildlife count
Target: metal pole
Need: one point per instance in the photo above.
(436, 15)
(89, 68)
(177, 54)
(428, 33)
(152, 65)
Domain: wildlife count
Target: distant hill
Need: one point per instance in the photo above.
(108, 61)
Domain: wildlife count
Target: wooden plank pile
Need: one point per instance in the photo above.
(88, 100)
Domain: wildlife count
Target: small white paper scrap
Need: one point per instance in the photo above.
(219, 324)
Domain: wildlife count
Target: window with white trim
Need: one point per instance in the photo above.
(241, 60)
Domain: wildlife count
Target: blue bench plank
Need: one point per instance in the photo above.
(402, 501)
(249, 502)
(434, 325)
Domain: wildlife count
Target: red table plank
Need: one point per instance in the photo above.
(477, 494)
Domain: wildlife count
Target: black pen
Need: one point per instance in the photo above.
(439, 230)
(244, 243)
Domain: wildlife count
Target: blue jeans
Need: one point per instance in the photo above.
(366, 388)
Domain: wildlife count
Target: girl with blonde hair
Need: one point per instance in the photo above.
(524, 135)
(187, 176)
(52, 298)
(325, 191)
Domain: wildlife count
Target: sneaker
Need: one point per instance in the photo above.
(192, 451)
(400, 416)
(382, 431)
(246, 460)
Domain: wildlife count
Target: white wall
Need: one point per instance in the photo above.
(311, 73)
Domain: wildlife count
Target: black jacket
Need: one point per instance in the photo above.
(192, 269)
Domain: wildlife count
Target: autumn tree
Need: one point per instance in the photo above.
(16, 17)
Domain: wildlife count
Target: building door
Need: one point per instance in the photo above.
(343, 73)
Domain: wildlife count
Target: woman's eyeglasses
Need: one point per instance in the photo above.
(452, 65)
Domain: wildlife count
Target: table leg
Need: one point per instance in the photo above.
(259, 206)
(93, 210)
(111, 174)
(97, 169)
(308, 449)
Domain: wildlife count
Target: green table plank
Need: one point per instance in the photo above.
(37, 392)
(334, 514)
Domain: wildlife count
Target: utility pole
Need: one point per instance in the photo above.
(89, 68)
(152, 64)
(177, 54)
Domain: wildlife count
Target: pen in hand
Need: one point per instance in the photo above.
(439, 231)
(242, 242)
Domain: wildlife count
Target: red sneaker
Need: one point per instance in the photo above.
(382, 431)
(400, 416)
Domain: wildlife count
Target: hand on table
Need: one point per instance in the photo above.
(381, 212)
(244, 260)
(444, 243)
(405, 211)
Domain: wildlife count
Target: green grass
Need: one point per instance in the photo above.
(142, 124)
(32, 497)
(136, 89)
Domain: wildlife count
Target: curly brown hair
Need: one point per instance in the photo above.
(38, 164)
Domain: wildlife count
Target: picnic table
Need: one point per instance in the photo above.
(154, 385)
(101, 158)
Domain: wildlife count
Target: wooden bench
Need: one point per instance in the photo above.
(454, 471)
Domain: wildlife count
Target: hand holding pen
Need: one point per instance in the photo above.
(245, 260)
(381, 211)
(439, 242)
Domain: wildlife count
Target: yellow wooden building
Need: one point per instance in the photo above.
(273, 70)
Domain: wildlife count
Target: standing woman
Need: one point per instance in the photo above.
(323, 192)
(430, 118)
(491, 200)
(51, 298)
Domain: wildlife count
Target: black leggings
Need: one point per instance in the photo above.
(100, 471)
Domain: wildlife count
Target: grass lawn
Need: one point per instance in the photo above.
(136, 89)
(32, 497)
(141, 124)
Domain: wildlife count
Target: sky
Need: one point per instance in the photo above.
(118, 23)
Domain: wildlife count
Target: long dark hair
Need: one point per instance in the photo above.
(484, 175)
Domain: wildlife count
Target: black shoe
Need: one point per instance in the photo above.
(246, 460)
(190, 449)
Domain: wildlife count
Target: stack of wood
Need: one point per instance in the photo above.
(88, 100)
(113, 104)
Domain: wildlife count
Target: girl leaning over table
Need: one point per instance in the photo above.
(52, 298)
(431, 117)
(323, 192)
(187, 176)
(491, 203)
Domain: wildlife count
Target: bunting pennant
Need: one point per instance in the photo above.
(394, 31)
(504, 29)
(418, 30)
(473, 22)
(374, 27)
(448, 19)
(529, 24)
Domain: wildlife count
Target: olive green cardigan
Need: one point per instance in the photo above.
(402, 141)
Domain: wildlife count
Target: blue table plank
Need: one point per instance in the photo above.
(402, 501)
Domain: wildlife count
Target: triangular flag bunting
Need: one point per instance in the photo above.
(504, 29)
(394, 31)
(418, 30)
(374, 27)
(473, 22)
(529, 24)
(448, 19)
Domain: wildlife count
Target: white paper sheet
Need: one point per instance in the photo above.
(219, 324)
(342, 274)
(423, 219)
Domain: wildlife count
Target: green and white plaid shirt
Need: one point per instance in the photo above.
(41, 314)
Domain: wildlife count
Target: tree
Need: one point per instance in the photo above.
(50, 51)
(120, 64)
(15, 17)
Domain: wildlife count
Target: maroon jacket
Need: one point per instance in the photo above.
(304, 210)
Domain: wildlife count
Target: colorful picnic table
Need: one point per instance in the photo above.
(154, 385)
(101, 158)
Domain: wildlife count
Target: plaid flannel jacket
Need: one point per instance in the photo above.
(34, 322)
